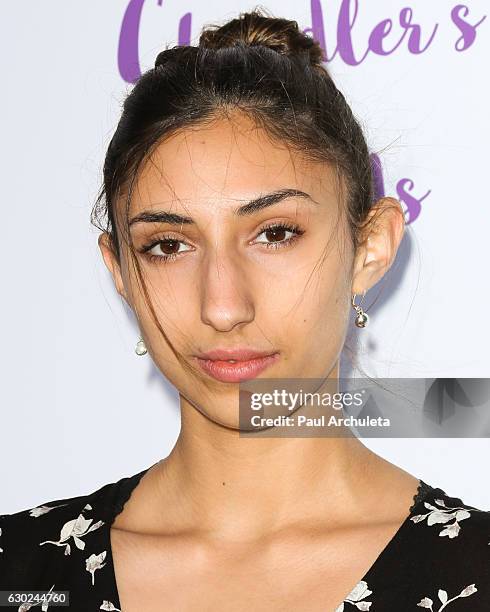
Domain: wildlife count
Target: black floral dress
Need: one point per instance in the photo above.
(439, 558)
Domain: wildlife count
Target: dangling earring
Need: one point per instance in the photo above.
(140, 347)
(362, 318)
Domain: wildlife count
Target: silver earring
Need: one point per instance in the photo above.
(362, 318)
(140, 347)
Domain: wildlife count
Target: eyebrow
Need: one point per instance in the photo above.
(251, 207)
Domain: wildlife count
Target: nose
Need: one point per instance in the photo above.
(226, 293)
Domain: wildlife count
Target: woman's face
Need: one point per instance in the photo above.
(229, 282)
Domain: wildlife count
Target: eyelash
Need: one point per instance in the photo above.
(165, 258)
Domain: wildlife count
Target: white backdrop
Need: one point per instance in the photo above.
(78, 407)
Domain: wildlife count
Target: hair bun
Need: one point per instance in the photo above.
(255, 28)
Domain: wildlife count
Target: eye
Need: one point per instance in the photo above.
(163, 249)
(276, 232)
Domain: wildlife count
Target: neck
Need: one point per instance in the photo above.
(242, 488)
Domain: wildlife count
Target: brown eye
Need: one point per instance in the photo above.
(169, 247)
(276, 234)
(166, 248)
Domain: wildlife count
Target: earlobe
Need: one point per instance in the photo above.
(112, 263)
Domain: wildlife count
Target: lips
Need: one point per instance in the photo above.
(247, 364)
(238, 354)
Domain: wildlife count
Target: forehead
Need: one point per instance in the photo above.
(223, 162)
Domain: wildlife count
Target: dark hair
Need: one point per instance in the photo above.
(259, 64)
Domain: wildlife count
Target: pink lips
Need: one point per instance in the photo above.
(248, 363)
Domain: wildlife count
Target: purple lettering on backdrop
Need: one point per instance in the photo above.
(413, 204)
(344, 34)
(347, 16)
(415, 34)
(127, 53)
(468, 31)
(384, 28)
(128, 49)
(185, 25)
(377, 35)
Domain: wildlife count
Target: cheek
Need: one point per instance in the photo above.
(169, 295)
(315, 297)
(175, 309)
(322, 314)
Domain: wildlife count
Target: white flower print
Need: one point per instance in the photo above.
(444, 515)
(1, 549)
(108, 605)
(76, 529)
(39, 510)
(360, 591)
(426, 602)
(95, 562)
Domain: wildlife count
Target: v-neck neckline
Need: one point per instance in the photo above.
(419, 498)
(125, 486)
(123, 489)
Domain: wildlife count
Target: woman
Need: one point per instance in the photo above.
(239, 227)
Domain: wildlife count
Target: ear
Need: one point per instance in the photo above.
(380, 238)
(112, 263)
